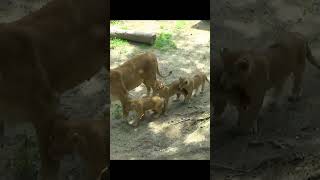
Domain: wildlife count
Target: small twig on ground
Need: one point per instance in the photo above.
(230, 168)
(201, 119)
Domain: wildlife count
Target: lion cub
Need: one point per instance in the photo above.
(166, 91)
(188, 85)
(87, 138)
(140, 106)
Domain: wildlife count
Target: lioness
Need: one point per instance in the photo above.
(188, 85)
(140, 69)
(256, 71)
(166, 91)
(87, 137)
(59, 46)
(140, 106)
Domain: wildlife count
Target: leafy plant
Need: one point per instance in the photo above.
(164, 41)
(117, 112)
(180, 24)
(116, 42)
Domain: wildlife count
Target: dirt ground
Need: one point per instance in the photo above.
(184, 133)
(288, 145)
(19, 157)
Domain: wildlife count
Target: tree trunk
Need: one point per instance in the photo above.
(141, 37)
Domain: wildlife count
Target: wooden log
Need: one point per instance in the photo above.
(135, 36)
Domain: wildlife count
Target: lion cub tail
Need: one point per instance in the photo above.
(311, 58)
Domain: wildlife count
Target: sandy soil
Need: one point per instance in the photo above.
(19, 157)
(184, 133)
(288, 144)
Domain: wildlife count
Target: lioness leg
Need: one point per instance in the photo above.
(202, 85)
(275, 96)
(124, 103)
(248, 119)
(296, 89)
(219, 105)
(49, 167)
(150, 85)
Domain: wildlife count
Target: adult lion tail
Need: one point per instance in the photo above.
(311, 58)
(159, 72)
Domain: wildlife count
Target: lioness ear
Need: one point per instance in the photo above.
(243, 65)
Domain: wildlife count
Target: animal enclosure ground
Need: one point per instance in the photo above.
(19, 156)
(181, 47)
(288, 145)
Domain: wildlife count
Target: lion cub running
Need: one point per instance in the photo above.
(140, 106)
(188, 85)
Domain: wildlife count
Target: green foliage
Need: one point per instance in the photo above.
(164, 41)
(180, 24)
(117, 112)
(116, 42)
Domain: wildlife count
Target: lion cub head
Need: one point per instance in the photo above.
(141, 105)
(186, 85)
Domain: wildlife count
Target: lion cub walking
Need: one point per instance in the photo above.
(166, 91)
(140, 106)
(188, 85)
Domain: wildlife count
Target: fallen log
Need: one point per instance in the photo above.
(135, 36)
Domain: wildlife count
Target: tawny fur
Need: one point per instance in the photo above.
(190, 85)
(59, 46)
(87, 137)
(140, 106)
(167, 91)
(142, 68)
(256, 71)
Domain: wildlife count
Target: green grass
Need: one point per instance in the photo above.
(119, 24)
(116, 22)
(164, 41)
(117, 112)
(116, 42)
(180, 24)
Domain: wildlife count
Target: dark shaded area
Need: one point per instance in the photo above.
(288, 137)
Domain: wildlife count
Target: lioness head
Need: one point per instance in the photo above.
(237, 68)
